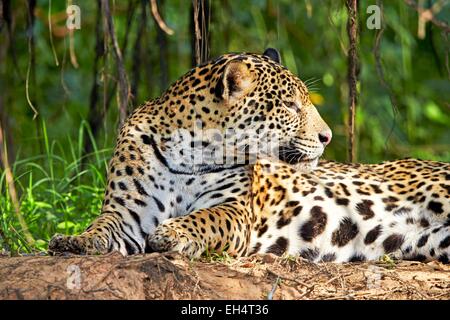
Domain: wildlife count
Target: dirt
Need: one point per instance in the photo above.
(171, 276)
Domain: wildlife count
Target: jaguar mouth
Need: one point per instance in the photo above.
(297, 159)
(293, 156)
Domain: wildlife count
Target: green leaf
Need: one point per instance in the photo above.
(41, 244)
(434, 113)
(65, 225)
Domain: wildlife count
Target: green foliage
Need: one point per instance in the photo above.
(59, 193)
(210, 255)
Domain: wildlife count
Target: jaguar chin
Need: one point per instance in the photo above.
(306, 165)
(298, 159)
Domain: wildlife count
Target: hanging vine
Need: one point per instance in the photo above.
(352, 74)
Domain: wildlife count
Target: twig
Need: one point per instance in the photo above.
(332, 279)
(51, 32)
(162, 25)
(446, 294)
(31, 69)
(201, 19)
(94, 115)
(289, 279)
(27, 86)
(309, 288)
(107, 97)
(428, 14)
(307, 292)
(63, 66)
(352, 30)
(124, 87)
(407, 285)
(30, 7)
(73, 56)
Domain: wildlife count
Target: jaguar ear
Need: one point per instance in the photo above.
(237, 81)
(273, 54)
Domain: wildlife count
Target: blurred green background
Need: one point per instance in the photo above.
(60, 183)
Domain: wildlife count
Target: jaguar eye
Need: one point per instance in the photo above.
(292, 105)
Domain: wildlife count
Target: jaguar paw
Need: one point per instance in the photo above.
(167, 238)
(80, 245)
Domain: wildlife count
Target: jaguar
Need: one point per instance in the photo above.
(227, 159)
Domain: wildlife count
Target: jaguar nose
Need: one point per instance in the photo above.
(325, 137)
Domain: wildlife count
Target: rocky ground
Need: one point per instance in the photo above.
(171, 276)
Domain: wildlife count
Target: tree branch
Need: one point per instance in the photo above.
(162, 25)
(124, 87)
(95, 116)
(31, 56)
(200, 20)
(352, 30)
(108, 98)
(428, 14)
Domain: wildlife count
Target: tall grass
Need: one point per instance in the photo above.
(60, 191)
